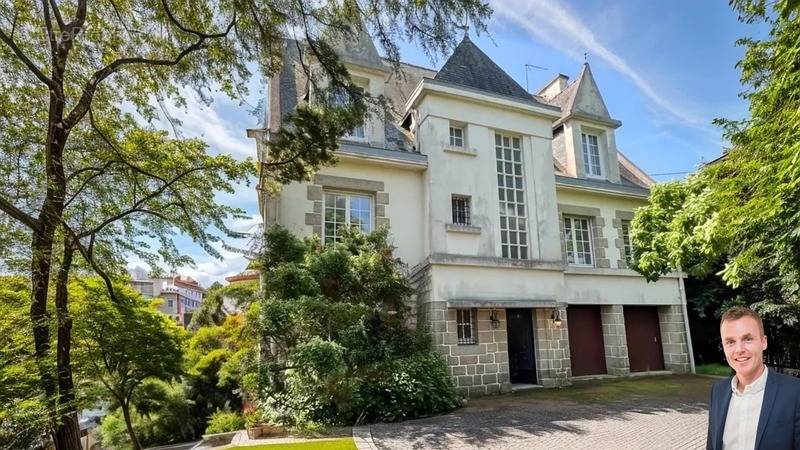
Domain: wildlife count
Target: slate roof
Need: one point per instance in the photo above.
(469, 66)
(577, 98)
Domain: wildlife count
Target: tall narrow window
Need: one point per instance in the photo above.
(461, 214)
(465, 326)
(627, 248)
(456, 137)
(346, 210)
(591, 155)
(511, 192)
(577, 235)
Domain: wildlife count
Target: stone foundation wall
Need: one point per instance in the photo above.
(673, 338)
(477, 369)
(553, 367)
(616, 347)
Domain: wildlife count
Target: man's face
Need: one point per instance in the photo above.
(744, 345)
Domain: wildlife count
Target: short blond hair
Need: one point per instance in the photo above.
(737, 312)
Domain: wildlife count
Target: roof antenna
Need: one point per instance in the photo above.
(530, 66)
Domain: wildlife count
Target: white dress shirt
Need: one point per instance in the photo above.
(744, 410)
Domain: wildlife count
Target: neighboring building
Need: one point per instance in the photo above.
(181, 295)
(229, 305)
(512, 209)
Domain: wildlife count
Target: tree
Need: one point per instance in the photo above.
(121, 345)
(336, 346)
(82, 182)
(742, 212)
(23, 406)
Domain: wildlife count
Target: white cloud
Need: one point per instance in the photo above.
(200, 120)
(559, 28)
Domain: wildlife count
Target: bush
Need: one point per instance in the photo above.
(160, 416)
(112, 432)
(225, 421)
(338, 347)
(405, 389)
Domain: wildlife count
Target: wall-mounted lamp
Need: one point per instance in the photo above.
(494, 319)
(556, 316)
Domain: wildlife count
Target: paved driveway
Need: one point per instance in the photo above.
(667, 412)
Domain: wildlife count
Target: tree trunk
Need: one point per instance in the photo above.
(126, 414)
(67, 433)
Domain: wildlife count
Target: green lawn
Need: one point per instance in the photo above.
(722, 370)
(333, 444)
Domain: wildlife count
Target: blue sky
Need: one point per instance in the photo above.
(665, 69)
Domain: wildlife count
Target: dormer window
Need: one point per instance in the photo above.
(591, 155)
(456, 137)
(358, 133)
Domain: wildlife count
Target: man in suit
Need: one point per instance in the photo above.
(757, 408)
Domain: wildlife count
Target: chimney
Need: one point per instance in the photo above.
(554, 87)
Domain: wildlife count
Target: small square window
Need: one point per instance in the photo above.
(465, 325)
(457, 137)
(461, 210)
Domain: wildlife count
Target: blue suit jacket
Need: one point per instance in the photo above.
(779, 422)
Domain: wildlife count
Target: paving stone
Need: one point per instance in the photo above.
(516, 422)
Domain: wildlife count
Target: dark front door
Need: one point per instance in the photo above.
(586, 347)
(521, 363)
(643, 335)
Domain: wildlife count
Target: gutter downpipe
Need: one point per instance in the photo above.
(682, 290)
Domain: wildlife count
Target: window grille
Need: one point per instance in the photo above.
(461, 210)
(465, 325)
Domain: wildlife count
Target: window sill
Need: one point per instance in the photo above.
(580, 266)
(461, 150)
(467, 229)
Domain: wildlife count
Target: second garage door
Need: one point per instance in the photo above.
(643, 336)
(587, 352)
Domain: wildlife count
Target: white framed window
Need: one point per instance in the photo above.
(358, 133)
(511, 193)
(456, 136)
(461, 210)
(591, 155)
(169, 303)
(343, 209)
(627, 247)
(465, 326)
(578, 237)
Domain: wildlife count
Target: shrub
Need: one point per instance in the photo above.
(338, 347)
(160, 415)
(224, 421)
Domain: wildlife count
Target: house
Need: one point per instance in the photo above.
(512, 211)
(182, 295)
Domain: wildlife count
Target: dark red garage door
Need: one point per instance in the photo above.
(586, 340)
(643, 335)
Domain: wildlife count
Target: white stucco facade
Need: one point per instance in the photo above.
(462, 266)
